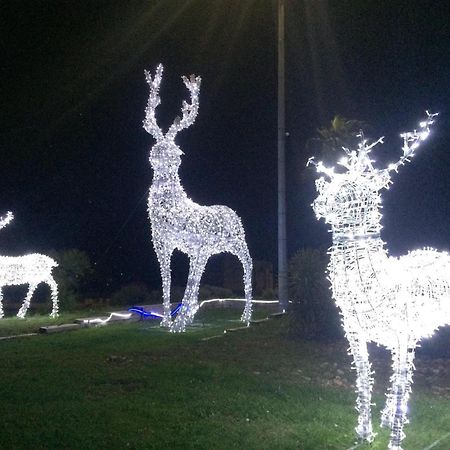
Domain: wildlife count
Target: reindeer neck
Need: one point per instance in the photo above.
(350, 234)
(167, 186)
(367, 228)
(358, 247)
(356, 232)
(358, 270)
(353, 240)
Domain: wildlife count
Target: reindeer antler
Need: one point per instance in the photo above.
(189, 110)
(5, 220)
(354, 160)
(154, 100)
(320, 168)
(412, 140)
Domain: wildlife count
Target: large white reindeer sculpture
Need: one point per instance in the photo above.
(179, 223)
(390, 301)
(30, 269)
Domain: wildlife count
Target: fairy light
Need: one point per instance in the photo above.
(140, 310)
(179, 223)
(30, 269)
(231, 300)
(394, 302)
(111, 317)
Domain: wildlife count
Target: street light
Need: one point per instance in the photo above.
(282, 247)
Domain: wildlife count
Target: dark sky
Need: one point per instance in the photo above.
(75, 167)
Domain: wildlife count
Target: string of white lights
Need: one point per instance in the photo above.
(226, 300)
(100, 321)
(30, 269)
(157, 315)
(391, 301)
(179, 223)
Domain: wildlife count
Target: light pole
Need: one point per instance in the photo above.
(282, 247)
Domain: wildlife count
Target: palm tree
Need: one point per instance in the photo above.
(342, 132)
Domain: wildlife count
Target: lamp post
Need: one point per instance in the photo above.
(282, 247)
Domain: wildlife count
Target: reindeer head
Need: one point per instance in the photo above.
(350, 201)
(165, 154)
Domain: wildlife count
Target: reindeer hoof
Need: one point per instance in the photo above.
(166, 322)
(365, 433)
(177, 328)
(394, 447)
(246, 316)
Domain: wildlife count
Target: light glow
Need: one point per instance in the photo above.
(391, 301)
(31, 269)
(100, 321)
(179, 223)
(225, 300)
(153, 314)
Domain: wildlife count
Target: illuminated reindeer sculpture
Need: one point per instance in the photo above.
(28, 269)
(391, 301)
(179, 223)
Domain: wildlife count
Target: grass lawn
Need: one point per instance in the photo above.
(12, 325)
(135, 386)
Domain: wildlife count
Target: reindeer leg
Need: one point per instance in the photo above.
(364, 383)
(403, 364)
(164, 255)
(26, 303)
(1, 303)
(388, 413)
(54, 294)
(190, 300)
(244, 256)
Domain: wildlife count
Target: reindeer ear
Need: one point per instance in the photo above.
(320, 184)
(382, 179)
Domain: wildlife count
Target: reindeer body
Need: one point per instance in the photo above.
(198, 221)
(191, 226)
(30, 269)
(393, 302)
(179, 223)
(11, 269)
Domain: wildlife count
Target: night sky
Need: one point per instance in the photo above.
(75, 168)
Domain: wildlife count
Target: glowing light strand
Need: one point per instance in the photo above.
(179, 223)
(110, 318)
(391, 301)
(30, 269)
(156, 315)
(226, 300)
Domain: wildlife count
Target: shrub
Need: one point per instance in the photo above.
(269, 294)
(312, 313)
(205, 292)
(71, 275)
(132, 294)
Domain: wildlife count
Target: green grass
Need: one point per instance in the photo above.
(136, 386)
(10, 326)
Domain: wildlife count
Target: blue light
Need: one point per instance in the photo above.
(150, 314)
